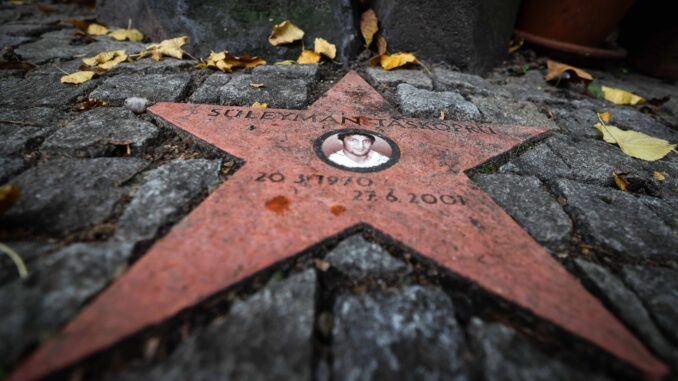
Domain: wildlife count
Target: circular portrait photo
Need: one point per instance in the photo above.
(357, 150)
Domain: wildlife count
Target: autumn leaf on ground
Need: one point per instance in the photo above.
(660, 176)
(79, 24)
(516, 45)
(9, 194)
(106, 60)
(621, 97)
(88, 105)
(259, 105)
(368, 26)
(604, 116)
(555, 69)
(285, 62)
(634, 143)
(133, 35)
(257, 85)
(381, 45)
(78, 77)
(15, 65)
(284, 33)
(224, 61)
(170, 48)
(97, 30)
(321, 46)
(308, 57)
(620, 181)
(395, 60)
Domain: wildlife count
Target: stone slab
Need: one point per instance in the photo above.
(209, 90)
(416, 78)
(429, 104)
(68, 194)
(277, 92)
(356, 258)
(9, 166)
(290, 209)
(464, 83)
(534, 208)
(155, 87)
(21, 130)
(101, 132)
(40, 91)
(407, 333)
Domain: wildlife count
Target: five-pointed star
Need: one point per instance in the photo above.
(286, 199)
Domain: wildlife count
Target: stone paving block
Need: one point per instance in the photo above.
(56, 45)
(277, 92)
(658, 289)
(41, 91)
(101, 132)
(617, 221)
(357, 258)
(67, 194)
(28, 30)
(467, 84)
(508, 111)
(164, 195)
(208, 92)
(309, 71)
(9, 166)
(25, 129)
(525, 199)
(13, 41)
(593, 161)
(629, 308)
(58, 286)
(155, 87)
(505, 355)
(539, 161)
(266, 337)
(424, 103)
(52, 69)
(150, 66)
(416, 78)
(667, 209)
(30, 252)
(408, 333)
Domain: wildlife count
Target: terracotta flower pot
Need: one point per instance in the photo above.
(572, 27)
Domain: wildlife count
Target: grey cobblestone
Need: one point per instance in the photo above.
(155, 87)
(10, 166)
(540, 161)
(208, 92)
(416, 78)
(308, 71)
(508, 111)
(45, 90)
(289, 93)
(467, 84)
(428, 104)
(21, 130)
(357, 258)
(54, 45)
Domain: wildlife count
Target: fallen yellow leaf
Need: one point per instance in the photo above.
(442, 115)
(621, 97)
(516, 45)
(660, 176)
(555, 69)
(636, 144)
(170, 48)
(604, 116)
(284, 33)
(133, 35)
(308, 57)
(9, 194)
(97, 30)
(396, 60)
(78, 77)
(106, 60)
(321, 46)
(619, 181)
(285, 62)
(224, 61)
(257, 85)
(381, 45)
(259, 105)
(368, 26)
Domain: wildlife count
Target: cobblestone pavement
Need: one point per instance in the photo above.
(98, 187)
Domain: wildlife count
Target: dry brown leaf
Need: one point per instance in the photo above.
(133, 35)
(621, 97)
(46, 9)
(442, 115)
(620, 181)
(308, 57)
(381, 45)
(11, 65)
(395, 60)
(97, 30)
(660, 176)
(170, 48)
(89, 104)
(368, 26)
(604, 116)
(106, 60)
(78, 77)
(555, 69)
(284, 33)
(376, 60)
(257, 85)
(259, 105)
(80, 24)
(224, 61)
(9, 194)
(321, 46)
(321, 265)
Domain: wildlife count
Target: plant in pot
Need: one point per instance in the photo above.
(572, 30)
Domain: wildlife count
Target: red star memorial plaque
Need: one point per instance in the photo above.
(349, 159)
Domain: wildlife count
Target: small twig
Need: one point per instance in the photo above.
(18, 122)
(605, 127)
(188, 54)
(425, 68)
(18, 262)
(61, 70)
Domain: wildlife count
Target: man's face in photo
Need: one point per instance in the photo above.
(358, 145)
